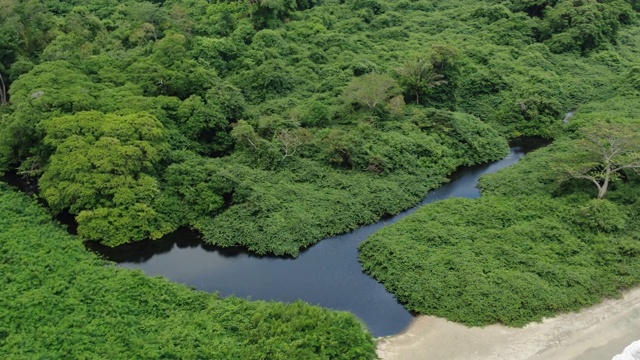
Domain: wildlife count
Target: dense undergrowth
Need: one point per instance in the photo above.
(538, 242)
(531, 247)
(253, 115)
(273, 124)
(59, 301)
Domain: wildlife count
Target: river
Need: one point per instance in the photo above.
(327, 274)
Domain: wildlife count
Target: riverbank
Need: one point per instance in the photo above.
(597, 333)
(59, 301)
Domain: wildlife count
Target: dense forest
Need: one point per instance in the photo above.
(272, 124)
(556, 232)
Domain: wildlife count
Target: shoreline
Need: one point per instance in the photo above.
(595, 333)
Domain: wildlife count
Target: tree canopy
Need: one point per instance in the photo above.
(102, 169)
(603, 153)
(529, 248)
(370, 99)
(273, 124)
(51, 285)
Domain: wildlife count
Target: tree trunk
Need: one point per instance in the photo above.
(602, 190)
(3, 92)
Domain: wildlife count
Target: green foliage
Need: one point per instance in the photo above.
(257, 90)
(583, 25)
(262, 152)
(229, 117)
(370, 90)
(480, 141)
(514, 256)
(374, 174)
(601, 215)
(531, 116)
(604, 152)
(267, 81)
(205, 124)
(279, 214)
(198, 185)
(633, 78)
(102, 170)
(57, 300)
(48, 90)
(418, 77)
(530, 176)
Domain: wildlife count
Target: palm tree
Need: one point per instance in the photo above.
(418, 76)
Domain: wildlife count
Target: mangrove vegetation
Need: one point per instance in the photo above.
(272, 124)
(59, 301)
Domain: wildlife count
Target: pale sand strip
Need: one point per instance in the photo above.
(596, 333)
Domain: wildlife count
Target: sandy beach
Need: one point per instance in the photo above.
(596, 333)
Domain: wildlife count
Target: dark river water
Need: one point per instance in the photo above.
(327, 274)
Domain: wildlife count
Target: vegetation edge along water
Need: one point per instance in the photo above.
(534, 245)
(240, 119)
(59, 301)
(272, 124)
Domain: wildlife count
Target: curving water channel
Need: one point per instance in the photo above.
(327, 274)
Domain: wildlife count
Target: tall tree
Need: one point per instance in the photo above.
(583, 25)
(292, 140)
(602, 154)
(102, 170)
(50, 89)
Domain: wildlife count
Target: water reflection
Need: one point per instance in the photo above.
(140, 252)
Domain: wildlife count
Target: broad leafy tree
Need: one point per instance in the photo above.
(102, 170)
(48, 90)
(371, 90)
(604, 153)
(584, 25)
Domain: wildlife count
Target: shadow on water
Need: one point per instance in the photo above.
(27, 185)
(30, 187)
(140, 252)
(327, 273)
